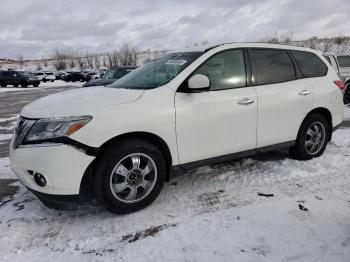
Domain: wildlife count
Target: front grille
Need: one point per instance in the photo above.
(23, 126)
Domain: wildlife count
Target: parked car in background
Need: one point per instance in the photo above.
(110, 76)
(91, 75)
(16, 78)
(59, 75)
(73, 77)
(45, 76)
(186, 109)
(49, 76)
(341, 64)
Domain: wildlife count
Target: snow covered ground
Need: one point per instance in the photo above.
(266, 208)
(57, 83)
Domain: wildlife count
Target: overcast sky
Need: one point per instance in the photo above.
(35, 28)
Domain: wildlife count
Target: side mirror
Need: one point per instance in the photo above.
(198, 81)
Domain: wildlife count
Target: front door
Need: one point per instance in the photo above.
(221, 120)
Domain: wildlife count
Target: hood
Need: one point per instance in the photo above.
(99, 82)
(82, 101)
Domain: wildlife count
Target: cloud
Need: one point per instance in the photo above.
(35, 28)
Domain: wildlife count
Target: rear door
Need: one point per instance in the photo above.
(283, 99)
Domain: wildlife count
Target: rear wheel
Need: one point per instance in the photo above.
(312, 139)
(44, 80)
(129, 176)
(24, 85)
(3, 85)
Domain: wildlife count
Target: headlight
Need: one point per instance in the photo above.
(55, 127)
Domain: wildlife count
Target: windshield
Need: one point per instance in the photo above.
(157, 72)
(344, 61)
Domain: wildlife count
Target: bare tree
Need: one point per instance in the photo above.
(81, 62)
(327, 45)
(340, 42)
(59, 60)
(97, 61)
(128, 55)
(104, 60)
(20, 60)
(113, 58)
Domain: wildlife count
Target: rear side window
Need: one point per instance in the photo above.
(271, 66)
(344, 61)
(310, 64)
(225, 70)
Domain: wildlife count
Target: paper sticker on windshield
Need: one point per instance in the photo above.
(175, 62)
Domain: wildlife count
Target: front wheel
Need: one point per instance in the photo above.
(44, 80)
(129, 176)
(312, 138)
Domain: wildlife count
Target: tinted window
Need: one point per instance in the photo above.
(271, 66)
(225, 70)
(344, 61)
(310, 64)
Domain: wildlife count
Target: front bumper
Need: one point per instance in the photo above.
(63, 167)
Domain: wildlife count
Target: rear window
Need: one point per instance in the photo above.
(344, 61)
(310, 64)
(271, 66)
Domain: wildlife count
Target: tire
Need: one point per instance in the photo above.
(3, 85)
(24, 85)
(52, 80)
(123, 154)
(15, 85)
(44, 80)
(35, 85)
(308, 135)
(347, 94)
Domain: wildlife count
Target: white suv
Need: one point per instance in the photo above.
(45, 76)
(183, 110)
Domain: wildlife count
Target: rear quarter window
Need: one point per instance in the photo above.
(344, 61)
(310, 64)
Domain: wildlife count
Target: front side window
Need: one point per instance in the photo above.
(310, 64)
(271, 66)
(157, 72)
(344, 61)
(225, 70)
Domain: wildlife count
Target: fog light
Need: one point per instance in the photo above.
(40, 179)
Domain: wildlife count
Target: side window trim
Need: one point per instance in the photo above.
(298, 73)
(279, 49)
(183, 87)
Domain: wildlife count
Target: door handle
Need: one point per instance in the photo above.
(245, 101)
(304, 92)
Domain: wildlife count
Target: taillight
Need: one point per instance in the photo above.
(340, 84)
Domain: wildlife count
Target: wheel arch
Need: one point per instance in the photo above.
(87, 180)
(324, 112)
